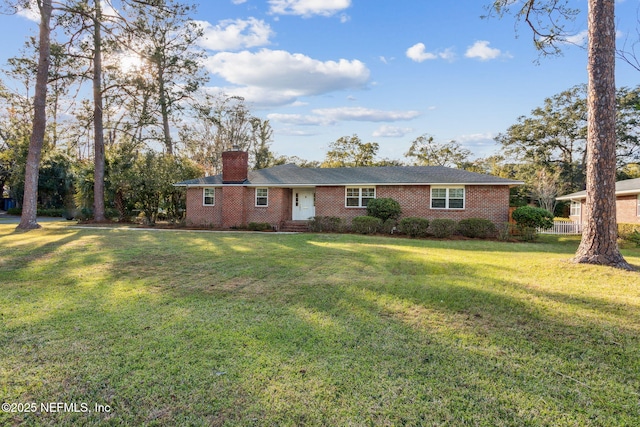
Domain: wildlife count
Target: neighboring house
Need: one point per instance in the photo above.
(627, 202)
(282, 194)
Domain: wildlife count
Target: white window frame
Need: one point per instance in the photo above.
(638, 210)
(358, 196)
(265, 196)
(576, 208)
(204, 196)
(447, 198)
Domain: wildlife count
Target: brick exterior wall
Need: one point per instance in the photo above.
(627, 209)
(234, 206)
(203, 216)
(490, 202)
(278, 209)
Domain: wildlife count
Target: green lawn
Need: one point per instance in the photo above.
(240, 329)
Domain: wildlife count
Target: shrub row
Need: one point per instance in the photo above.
(259, 226)
(366, 224)
(326, 224)
(422, 227)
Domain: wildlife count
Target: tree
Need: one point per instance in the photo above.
(545, 189)
(553, 137)
(28, 219)
(599, 237)
(427, 152)
(350, 152)
(221, 124)
(262, 134)
(164, 38)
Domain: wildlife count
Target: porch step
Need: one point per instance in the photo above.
(295, 226)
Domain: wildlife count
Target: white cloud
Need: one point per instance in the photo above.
(32, 14)
(365, 114)
(331, 116)
(307, 8)
(233, 34)
(482, 51)
(418, 53)
(238, 1)
(579, 39)
(391, 132)
(299, 119)
(475, 138)
(277, 77)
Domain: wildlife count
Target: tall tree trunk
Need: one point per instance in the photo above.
(164, 109)
(28, 220)
(98, 176)
(599, 238)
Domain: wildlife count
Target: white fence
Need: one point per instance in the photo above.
(563, 227)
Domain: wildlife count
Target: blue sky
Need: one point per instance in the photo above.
(388, 71)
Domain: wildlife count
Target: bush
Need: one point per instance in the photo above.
(366, 224)
(625, 230)
(414, 226)
(384, 208)
(443, 227)
(529, 216)
(477, 228)
(259, 226)
(326, 224)
(635, 238)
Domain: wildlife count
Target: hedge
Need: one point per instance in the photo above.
(259, 226)
(477, 228)
(366, 224)
(414, 226)
(326, 224)
(443, 227)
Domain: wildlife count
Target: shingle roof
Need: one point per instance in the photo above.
(628, 186)
(292, 175)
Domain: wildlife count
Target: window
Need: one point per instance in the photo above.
(575, 208)
(208, 196)
(447, 198)
(358, 197)
(638, 204)
(262, 197)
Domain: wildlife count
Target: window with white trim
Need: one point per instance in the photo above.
(358, 197)
(262, 197)
(447, 197)
(575, 208)
(208, 196)
(638, 205)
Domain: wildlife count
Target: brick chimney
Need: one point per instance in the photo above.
(235, 165)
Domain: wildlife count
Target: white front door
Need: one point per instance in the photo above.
(304, 206)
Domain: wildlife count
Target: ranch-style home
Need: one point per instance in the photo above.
(627, 202)
(288, 195)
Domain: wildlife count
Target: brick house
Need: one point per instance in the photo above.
(284, 194)
(627, 202)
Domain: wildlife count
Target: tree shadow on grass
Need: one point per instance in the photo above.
(301, 331)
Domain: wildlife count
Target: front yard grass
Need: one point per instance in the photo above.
(237, 329)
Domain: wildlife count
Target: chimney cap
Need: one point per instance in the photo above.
(235, 147)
